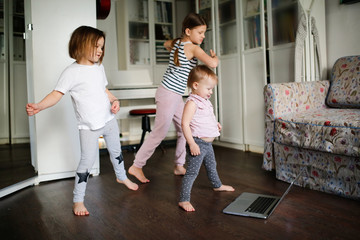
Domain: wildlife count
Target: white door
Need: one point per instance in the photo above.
(54, 136)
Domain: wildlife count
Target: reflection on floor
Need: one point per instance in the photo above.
(15, 164)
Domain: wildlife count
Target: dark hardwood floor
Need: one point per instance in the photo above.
(44, 211)
(15, 164)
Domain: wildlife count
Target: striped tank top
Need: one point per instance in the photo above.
(175, 77)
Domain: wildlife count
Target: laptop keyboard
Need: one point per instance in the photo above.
(260, 205)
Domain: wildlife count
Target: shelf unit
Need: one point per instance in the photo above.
(254, 70)
(267, 56)
(14, 127)
(143, 27)
(255, 47)
(227, 22)
(206, 9)
(138, 32)
(268, 53)
(283, 20)
(164, 29)
(222, 36)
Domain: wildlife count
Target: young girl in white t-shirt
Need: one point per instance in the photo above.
(94, 105)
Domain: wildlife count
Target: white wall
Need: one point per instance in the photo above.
(342, 31)
(54, 134)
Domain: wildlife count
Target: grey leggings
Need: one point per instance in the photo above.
(194, 163)
(89, 151)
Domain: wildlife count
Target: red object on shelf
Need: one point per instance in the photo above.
(102, 8)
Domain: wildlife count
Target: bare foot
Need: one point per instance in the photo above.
(224, 188)
(179, 170)
(79, 209)
(187, 206)
(129, 184)
(138, 173)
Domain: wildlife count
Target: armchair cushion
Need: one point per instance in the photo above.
(345, 83)
(331, 130)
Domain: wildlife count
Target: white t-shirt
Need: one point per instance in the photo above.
(86, 85)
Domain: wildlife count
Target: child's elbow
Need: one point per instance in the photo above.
(213, 64)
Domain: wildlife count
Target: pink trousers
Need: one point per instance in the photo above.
(169, 107)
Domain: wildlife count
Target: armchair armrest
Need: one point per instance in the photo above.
(285, 98)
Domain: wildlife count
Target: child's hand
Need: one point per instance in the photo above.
(115, 107)
(212, 53)
(219, 126)
(194, 149)
(32, 109)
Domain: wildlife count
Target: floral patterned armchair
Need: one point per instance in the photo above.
(316, 125)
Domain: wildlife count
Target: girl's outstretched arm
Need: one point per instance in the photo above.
(50, 100)
(211, 60)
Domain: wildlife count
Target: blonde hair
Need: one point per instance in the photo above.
(191, 21)
(83, 40)
(198, 73)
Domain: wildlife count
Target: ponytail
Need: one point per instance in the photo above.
(176, 53)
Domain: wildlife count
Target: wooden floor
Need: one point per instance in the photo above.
(44, 211)
(15, 164)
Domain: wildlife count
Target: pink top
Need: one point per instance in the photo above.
(203, 123)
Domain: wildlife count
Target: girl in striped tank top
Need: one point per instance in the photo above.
(184, 54)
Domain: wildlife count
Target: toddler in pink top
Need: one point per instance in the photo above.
(200, 129)
(203, 123)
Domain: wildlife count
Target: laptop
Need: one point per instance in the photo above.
(256, 205)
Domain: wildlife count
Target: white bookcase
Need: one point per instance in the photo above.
(255, 47)
(253, 69)
(14, 127)
(230, 84)
(222, 35)
(282, 24)
(267, 56)
(143, 26)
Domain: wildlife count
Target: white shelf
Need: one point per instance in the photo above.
(251, 15)
(139, 39)
(225, 24)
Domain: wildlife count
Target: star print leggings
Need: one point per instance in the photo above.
(207, 157)
(90, 151)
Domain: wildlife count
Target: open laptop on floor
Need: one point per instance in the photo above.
(257, 205)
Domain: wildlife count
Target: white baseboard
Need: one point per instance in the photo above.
(41, 178)
(18, 186)
(257, 149)
(62, 175)
(229, 145)
(242, 147)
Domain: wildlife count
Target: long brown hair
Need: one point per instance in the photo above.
(191, 21)
(83, 40)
